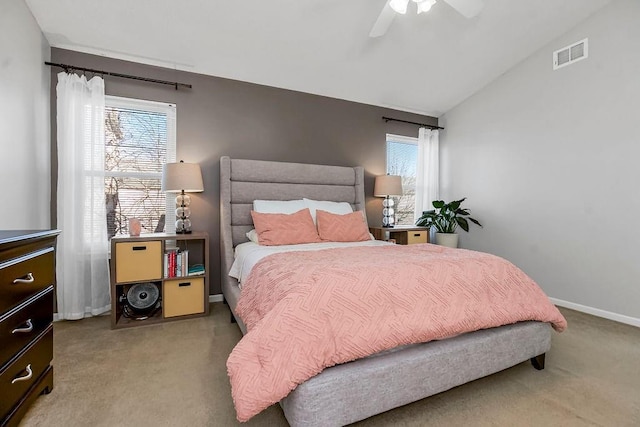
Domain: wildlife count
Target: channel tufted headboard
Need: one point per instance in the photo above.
(243, 181)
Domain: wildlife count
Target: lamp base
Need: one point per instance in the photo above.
(388, 213)
(183, 223)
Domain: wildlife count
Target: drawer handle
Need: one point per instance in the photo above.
(28, 328)
(25, 279)
(25, 377)
(184, 284)
(416, 235)
(139, 248)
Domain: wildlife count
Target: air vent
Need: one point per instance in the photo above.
(570, 54)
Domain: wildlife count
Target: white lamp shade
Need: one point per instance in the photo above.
(400, 6)
(425, 5)
(388, 185)
(182, 176)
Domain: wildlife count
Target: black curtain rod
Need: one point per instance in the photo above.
(68, 68)
(389, 119)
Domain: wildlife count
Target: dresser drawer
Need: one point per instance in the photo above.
(416, 237)
(23, 277)
(183, 296)
(138, 261)
(19, 327)
(19, 376)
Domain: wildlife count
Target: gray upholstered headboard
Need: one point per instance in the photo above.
(243, 181)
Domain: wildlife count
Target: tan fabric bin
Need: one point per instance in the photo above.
(139, 261)
(182, 296)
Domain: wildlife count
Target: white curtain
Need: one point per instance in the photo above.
(427, 173)
(82, 264)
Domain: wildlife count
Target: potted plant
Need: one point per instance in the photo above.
(446, 217)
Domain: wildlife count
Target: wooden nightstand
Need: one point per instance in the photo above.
(403, 235)
(148, 267)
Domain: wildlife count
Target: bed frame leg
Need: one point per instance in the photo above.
(537, 362)
(233, 319)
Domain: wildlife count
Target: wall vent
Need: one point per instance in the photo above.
(570, 54)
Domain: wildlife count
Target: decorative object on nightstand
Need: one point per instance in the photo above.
(386, 186)
(134, 227)
(180, 178)
(446, 217)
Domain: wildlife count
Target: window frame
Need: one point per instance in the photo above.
(402, 140)
(170, 110)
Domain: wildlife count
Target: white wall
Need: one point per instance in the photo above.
(550, 163)
(25, 154)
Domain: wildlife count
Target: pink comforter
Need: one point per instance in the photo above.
(306, 311)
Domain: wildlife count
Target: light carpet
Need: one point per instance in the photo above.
(174, 374)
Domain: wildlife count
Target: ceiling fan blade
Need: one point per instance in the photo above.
(467, 8)
(383, 22)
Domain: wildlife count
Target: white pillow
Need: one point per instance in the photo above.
(338, 208)
(278, 206)
(253, 236)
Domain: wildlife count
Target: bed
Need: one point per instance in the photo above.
(356, 390)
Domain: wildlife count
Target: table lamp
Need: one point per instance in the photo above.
(385, 186)
(180, 178)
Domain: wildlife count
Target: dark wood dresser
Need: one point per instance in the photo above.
(27, 280)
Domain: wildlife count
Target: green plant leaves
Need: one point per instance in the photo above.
(462, 223)
(446, 217)
(475, 221)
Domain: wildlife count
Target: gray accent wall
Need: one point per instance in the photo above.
(243, 120)
(549, 161)
(25, 167)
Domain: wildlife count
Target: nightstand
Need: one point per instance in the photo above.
(403, 235)
(159, 277)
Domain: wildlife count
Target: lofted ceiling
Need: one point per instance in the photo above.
(425, 63)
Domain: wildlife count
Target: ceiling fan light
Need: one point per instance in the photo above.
(399, 6)
(425, 5)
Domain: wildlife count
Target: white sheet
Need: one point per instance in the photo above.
(248, 254)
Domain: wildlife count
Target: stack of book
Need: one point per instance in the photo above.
(176, 263)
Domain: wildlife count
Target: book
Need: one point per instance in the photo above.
(195, 270)
(172, 264)
(185, 262)
(165, 264)
(178, 266)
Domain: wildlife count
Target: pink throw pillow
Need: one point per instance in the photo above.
(285, 229)
(350, 227)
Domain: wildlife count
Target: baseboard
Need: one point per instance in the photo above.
(215, 298)
(597, 312)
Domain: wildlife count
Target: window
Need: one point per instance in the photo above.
(140, 136)
(402, 159)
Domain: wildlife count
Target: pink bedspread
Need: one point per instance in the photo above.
(306, 311)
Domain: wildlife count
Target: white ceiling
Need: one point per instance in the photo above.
(425, 63)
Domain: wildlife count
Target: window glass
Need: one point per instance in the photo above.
(140, 138)
(402, 160)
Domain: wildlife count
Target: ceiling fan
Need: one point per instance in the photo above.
(467, 8)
